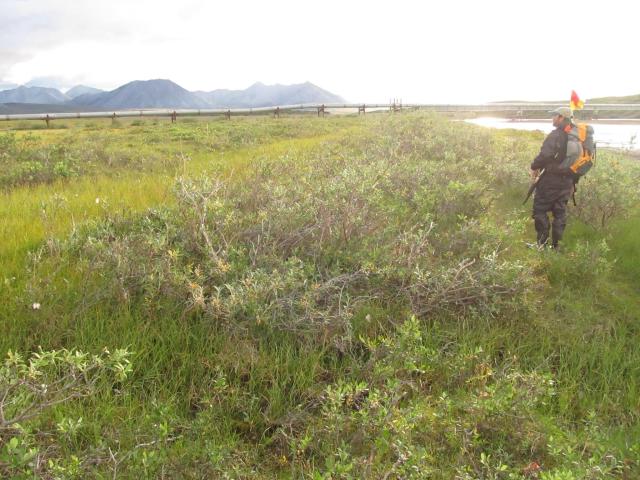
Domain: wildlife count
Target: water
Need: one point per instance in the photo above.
(617, 135)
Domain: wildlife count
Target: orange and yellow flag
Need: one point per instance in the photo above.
(576, 103)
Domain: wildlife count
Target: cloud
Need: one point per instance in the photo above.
(51, 81)
(7, 85)
(30, 28)
(8, 58)
(365, 51)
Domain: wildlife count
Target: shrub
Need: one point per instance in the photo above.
(479, 286)
(418, 402)
(31, 386)
(608, 193)
(7, 145)
(310, 239)
(579, 266)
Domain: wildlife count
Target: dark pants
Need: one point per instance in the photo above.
(554, 201)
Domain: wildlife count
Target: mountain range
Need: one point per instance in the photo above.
(160, 93)
(261, 95)
(81, 90)
(24, 94)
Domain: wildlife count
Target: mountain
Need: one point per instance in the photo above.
(143, 94)
(33, 95)
(261, 95)
(82, 90)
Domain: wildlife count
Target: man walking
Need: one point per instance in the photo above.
(554, 186)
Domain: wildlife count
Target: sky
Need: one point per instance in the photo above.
(447, 51)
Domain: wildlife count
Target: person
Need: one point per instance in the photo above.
(554, 186)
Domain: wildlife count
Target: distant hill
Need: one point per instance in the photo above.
(627, 99)
(261, 95)
(82, 90)
(33, 95)
(143, 94)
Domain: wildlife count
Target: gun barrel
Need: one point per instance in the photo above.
(533, 186)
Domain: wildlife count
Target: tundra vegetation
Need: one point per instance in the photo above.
(335, 298)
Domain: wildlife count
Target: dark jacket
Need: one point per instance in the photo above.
(552, 153)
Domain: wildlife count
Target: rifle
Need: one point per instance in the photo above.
(534, 184)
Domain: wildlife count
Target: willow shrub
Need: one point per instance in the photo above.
(610, 191)
(397, 220)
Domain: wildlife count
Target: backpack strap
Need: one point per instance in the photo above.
(582, 132)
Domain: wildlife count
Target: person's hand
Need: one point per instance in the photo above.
(533, 174)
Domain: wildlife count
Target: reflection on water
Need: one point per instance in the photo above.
(619, 135)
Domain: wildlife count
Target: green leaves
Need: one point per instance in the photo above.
(31, 386)
(609, 192)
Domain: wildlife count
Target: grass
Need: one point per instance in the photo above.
(319, 298)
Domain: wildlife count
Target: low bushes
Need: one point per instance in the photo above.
(609, 192)
(354, 311)
(311, 239)
(31, 386)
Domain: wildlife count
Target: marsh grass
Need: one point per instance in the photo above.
(320, 298)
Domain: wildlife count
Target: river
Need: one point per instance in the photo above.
(616, 134)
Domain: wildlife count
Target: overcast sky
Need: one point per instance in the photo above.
(366, 51)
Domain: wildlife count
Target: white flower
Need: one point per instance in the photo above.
(97, 201)
(35, 306)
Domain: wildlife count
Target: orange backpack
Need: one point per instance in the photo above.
(581, 149)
